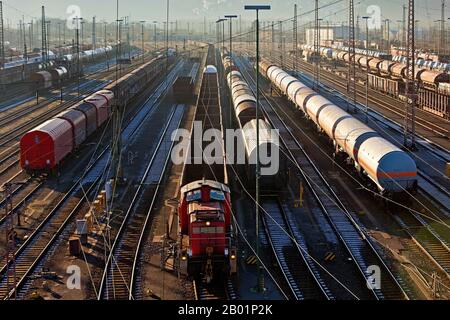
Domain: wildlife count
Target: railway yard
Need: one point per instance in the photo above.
(261, 163)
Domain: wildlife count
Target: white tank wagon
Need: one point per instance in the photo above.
(273, 166)
(391, 169)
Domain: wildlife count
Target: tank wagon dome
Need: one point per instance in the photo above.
(210, 69)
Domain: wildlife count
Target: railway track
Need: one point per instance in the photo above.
(119, 273)
(220, 290)
(45, 235)
(303, 279)
(425, 238)
(354, 239)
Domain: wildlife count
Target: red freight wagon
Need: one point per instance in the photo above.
(90, 112)
(46, 145)
(77, 120)
(101, 104)
(108, 94)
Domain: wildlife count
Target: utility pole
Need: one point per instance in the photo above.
(230, 18)
(167, 41)
(204, 28)
(25, 50)
(295, 40)
(31, 34)
(82, 34)
(106, 44)
(64, 35)
(316, 56)
(2, 38)
(77, 39)
(280, 45)
(366, 109)
(442, 43)
(142, 35)
(49, 29)
(404, 28)
(273, 39)
(223, 33)
(357, 31)
(388, 35)
(411, 90)
(94, 39)
(59, 40)
(260, 277)
(116, 142)
(44, 37)
(154, 34)
(127, 24)
(351, 81)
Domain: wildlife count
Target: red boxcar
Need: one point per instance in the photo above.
(46, 145)
(100, 102)
(77, 120)
(90, 112)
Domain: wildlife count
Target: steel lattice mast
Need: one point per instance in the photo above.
(351, 78)
(442, 41)
(44, 37)
(411, 90)
(2, 38)
(316, 56)
(295, 40)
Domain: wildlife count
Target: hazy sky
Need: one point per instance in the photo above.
(427, 10)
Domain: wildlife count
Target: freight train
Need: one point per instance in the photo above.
(244, 104)
(183, 87)
(389, 76)
(45, 147)
(45, 79)
(423, 60)
(206, 242)
(37, 58)
(391, 170)
(386, 67)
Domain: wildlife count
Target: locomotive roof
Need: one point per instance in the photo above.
(200, 183)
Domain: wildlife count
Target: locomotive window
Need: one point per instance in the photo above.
(194, 195)
(217, 195)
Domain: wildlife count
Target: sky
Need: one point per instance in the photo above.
(427, 11)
